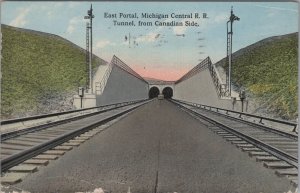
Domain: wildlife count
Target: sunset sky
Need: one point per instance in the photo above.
(159, 52)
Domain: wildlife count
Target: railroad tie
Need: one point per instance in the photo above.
(71, 144)
(252, 149)
(287, 172)
(37, 162)
(12, 178)
(267, 158)
(46, 157)
(61, 147)
(54, 152)
(76, 141)
(238, 142)
(277, 165)
(244, 145)
(23, 168)
(255, 153)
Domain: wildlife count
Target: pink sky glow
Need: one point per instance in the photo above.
(161, 73)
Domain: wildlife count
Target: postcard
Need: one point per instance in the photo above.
(149, 96)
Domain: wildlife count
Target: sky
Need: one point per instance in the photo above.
(160, 52)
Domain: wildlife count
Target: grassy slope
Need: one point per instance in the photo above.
(37, 67)
(268, 71)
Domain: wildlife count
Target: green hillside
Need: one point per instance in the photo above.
(268, 71)
(38, 70)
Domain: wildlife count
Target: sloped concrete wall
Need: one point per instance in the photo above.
(122, 86)
(200, 89)
(98, 76)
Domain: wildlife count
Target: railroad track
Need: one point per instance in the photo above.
(277, 149)
(19, 146)
(15, 127)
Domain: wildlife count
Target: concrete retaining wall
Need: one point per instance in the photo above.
(122, 86)
(200, 89)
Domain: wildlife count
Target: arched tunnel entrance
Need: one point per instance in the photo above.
(167, 92)
(153, 92)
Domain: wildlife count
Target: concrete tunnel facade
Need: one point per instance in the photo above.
(154, 91)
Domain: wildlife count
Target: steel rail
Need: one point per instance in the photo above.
(12, 134)
(290, 123)
(11, 121)
(258, 143)
(273, 130)
(18, 158)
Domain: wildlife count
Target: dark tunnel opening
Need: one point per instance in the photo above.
(153, 92)
(167, 92)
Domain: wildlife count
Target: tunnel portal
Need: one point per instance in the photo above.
(153, 92)
(167, 92)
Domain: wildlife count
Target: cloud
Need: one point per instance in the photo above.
(213, 19)
(150, 37)
(20, 20)
(182, 29)
(51, 10)
(272, 12)
(179, 29)
(73, 23)
(104, 43)
(73, 4)
(221, 17)
(50, 14)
